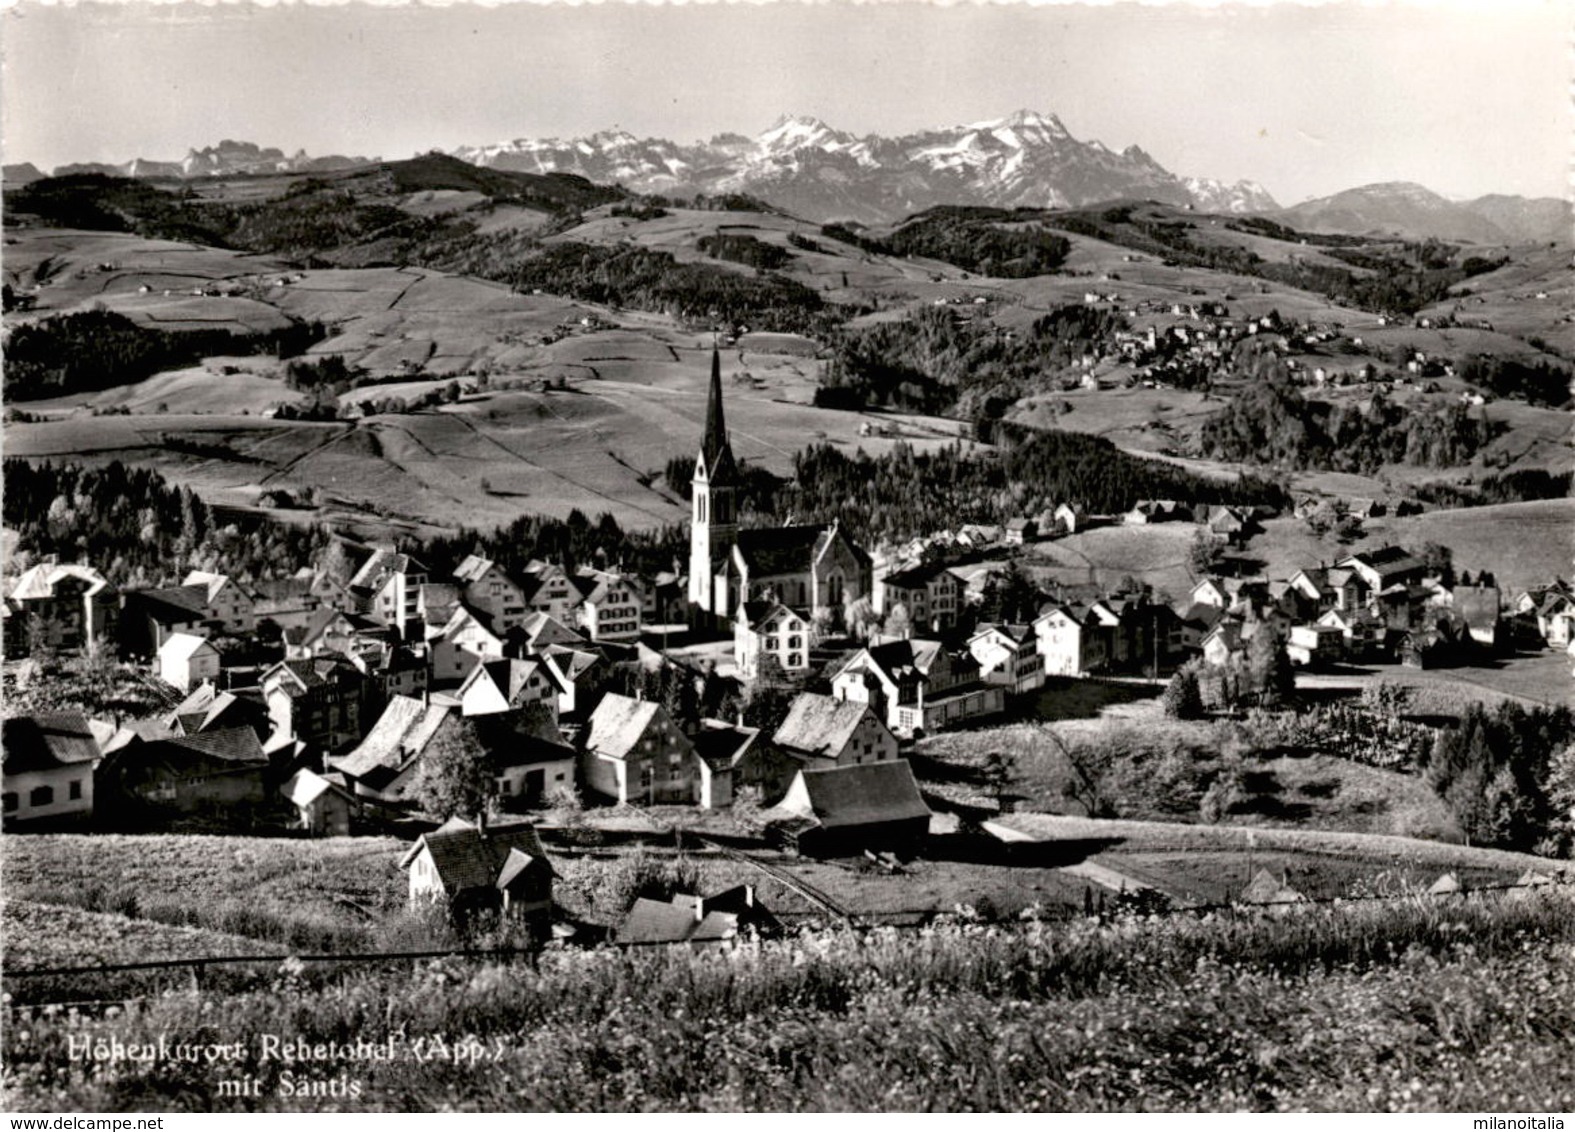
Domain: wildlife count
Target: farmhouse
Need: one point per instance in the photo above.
(212, 772)
(1382, 569)
(460, 645)
(323, 807)
(632, 751)
(874, 807)
(1075, 639)
(721, 749)
(509, 685)
(317, 701)
(487, 589)
(48, 769)
(388, 586)
(226, 602)
(612, 607)
(821, 732)
(208, 709)
(476, 869)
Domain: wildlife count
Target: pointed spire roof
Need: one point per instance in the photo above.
(715, 450)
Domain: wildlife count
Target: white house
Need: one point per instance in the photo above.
(186, 660)
(765, 628)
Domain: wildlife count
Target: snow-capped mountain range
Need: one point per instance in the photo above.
(225, 159)
(810, 169)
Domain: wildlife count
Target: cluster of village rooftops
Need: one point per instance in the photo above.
(331, 722)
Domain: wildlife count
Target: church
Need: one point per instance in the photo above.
(811, 569)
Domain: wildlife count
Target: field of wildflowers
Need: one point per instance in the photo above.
(1413, 1004)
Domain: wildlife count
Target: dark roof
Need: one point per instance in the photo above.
(915, 577)
(175, 605)
(466, 857)
(722, 744)
(778, 550)
(864, 794)
(47, 741)
(232, 744)
(654, 921)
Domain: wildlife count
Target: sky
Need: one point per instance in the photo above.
(1307, 99)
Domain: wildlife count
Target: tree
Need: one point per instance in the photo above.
(1183, 699)
(859, 615)
(899, 623)
(1205, 552)
(1269, 673)
(1000, 768)
(454, 778)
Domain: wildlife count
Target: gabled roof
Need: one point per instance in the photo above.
(617, 724)
(383, 564)
(1386, 561)
(183, 646)
(755, 614)
(474, 568)
(820, 725)
(173, 605)
(654, 921)
(863, 794)
(509, 676)
(40, 581)
(207, 706)
(306, 786)
(723, 744)
(1016, 634)
(539, 630)
(918, 577)
(400, 733)
(300, 676)
(211, 583)
(768, 551)
(467, 857)
(47, 741)
(232, 744)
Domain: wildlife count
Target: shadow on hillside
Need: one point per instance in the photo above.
(979, 849)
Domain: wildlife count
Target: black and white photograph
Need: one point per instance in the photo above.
(788, 557)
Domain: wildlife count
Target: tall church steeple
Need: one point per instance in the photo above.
(713, 520)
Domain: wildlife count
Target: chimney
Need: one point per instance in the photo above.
(699, 908)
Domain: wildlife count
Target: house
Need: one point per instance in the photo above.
(632, 751)
(1009, 655)
(917, 685)
(1070, 518)
(612, 607)
(700, 921)
(476, 868)
(463, 642)
(1382, 569)
(1556, 619)
(317, 700)
(550, 591)
(1232, 523)
(49, 762)
(229, 605)
(1362, 633)
(208, 709)
(151, 617)
(484, 587)
(931, 594)
(388, 587)
(382, 765)
(1225, 641)
(1211, 591)
(216, 773)
(1076, 639)
(186, 660)
(64, 607)
(1315, 646)
(843, 811)
(823, 731)
(509, 685)
(1195, 622)
(334, 631)
(568, 667)
(323, 806)
(978, 536)
(1020, 530)
(1326, 588)
(528, 757)
(769, 629)
(720, 748)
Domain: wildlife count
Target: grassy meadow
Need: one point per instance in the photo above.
(1408, 1005)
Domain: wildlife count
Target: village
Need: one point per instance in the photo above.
(326, 707)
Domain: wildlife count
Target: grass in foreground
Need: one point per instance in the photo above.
(1412, 1005)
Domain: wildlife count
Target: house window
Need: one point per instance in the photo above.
(41, 796)
(76, 790)
(794, 660)
(503, 786)
(646, 776)
(11, 801)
